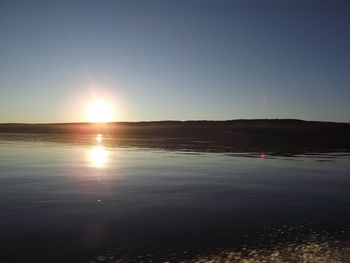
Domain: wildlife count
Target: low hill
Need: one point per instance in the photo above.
(248, 134)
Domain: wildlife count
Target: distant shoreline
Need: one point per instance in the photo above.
(178, 121)
(286, 135)
(201, 128)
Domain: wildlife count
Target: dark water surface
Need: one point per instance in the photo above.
(66, 199)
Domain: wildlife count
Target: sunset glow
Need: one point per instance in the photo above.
(99, 111)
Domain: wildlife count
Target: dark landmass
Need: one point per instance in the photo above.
(278, 135)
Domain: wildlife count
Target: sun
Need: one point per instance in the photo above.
(99, 111)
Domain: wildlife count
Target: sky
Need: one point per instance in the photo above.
(175, 60)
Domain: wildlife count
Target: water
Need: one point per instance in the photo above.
(102, 199)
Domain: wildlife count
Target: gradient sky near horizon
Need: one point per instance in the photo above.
(175, 60)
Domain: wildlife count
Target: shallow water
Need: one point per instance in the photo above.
(82, 199)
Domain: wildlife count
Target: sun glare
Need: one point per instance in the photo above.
(99, 111)
(98, 156)
(99, 138)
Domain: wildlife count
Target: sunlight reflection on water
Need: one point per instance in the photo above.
(99, 138)
(98, 154)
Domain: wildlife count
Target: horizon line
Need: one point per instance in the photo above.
(157, 121)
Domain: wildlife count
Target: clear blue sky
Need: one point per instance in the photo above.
(175, 60)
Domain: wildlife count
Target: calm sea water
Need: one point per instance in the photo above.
(85, 199)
